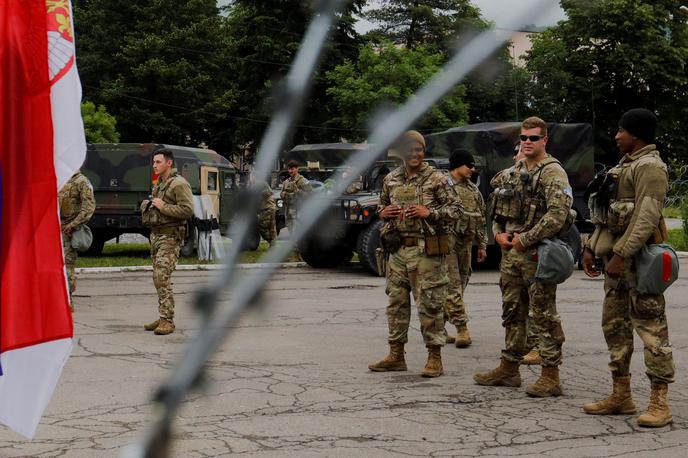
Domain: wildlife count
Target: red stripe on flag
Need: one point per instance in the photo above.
(33, 299)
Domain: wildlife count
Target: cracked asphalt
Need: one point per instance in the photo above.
(291, 380)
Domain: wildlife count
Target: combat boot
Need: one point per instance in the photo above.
(505, 375)
(547, 385)
(619, 402)
(165, 327)
(450, 339)
(463, 337)
(532, 358)
(658, 412)
(393, 362)
(151, 326)
(433, 368)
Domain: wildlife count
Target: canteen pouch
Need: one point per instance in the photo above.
(381, 261)
(656, 267)
(437, 244)
(555, 262)
(82, 238)
(619, 216)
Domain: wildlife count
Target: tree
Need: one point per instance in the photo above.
(100, 126)
(390, 75)
(157, 64)
(610, 56)
(414, 23)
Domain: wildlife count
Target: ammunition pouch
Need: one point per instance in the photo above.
(507, 203)
(150, 215)
(391, 239)
(437, 244)
(619, 216)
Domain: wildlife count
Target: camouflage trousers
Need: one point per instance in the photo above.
(459, 272)
(519, 293)
(267, 226)
(70, 255)
(623, 310)
(164, 253)
(410, 270)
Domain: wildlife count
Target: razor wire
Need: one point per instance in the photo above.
(215, 326)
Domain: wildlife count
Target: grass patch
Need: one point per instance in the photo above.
(672, 212)
(138, 254)
(678, 239)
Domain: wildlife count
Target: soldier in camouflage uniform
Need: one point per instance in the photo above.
(77, 205)
(533, 203)
(416, 203)
(266, 216)
(627, 212)
(469, 228)
(167, 213)
(294, 189)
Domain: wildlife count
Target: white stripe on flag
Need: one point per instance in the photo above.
(29, 378)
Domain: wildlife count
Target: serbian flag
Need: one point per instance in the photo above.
(41, 145)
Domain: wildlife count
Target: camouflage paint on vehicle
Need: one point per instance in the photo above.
(122, 176)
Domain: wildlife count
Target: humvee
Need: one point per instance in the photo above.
(122, 176)
(353, 225)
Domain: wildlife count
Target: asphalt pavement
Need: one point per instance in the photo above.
(292, 378)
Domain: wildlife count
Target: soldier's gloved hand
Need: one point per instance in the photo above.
(589, 264)
(504, 240)
(516, 243)
(390, 211)
(418, 211)
(482, 255)
(158, 203)
(615, 267)
(68, 229)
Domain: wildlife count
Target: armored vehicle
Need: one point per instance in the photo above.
(122, 176)
(352, 224)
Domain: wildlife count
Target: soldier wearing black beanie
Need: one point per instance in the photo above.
(640, 123)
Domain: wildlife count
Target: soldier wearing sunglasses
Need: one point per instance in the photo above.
(532, 202)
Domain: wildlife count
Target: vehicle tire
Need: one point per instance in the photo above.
(189, 247)
(96, 248)
(368, 241)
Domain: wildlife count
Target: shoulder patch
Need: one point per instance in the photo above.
(568, 191)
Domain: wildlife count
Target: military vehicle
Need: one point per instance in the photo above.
(352, 224)
(122, 176)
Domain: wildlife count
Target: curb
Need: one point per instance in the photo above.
(189, 267)
(682, 254)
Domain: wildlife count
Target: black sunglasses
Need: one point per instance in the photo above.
(532, 138)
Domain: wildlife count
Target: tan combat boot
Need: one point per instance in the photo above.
(532, 358)
(505, 375)
(165, 327)
(450, 339)
(658, 412)
(547, 385)
(393, 362)
(433, 368)
(151, 326)
(463, 338)
(619, 402)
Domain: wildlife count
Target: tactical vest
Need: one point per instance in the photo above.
(70, 199)
(472, 218)
(151, 216)
(404, 196)
(520, 199)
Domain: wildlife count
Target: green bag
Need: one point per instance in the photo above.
(657, 268)
(82, 238)
(555, 262)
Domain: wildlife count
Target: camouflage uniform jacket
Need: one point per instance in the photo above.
(77, 203)
(267, 202)
(294, 189)
(428, 187)
(471, 223)
(543, 201)
(636, 211)
(175, 191)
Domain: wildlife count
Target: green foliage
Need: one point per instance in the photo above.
(610, 56)
(414, 23)
(678, 239)
(390, 75)
(100, 126)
